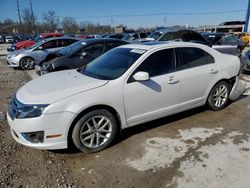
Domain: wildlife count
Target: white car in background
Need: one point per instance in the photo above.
(9, 39)
(126, 86)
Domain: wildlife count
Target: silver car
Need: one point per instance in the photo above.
(26, 58)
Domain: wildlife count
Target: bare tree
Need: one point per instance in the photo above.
(51, 20)
(70, 25)
(8, 26)
(27, 20)
(90, 28)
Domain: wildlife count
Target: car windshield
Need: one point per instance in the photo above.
(155, 35)
(127, 36)
(112, 64)
(38, 38)
(71, 48)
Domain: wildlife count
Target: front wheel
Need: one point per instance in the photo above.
(95, 131)
(27, 63)
(218, 97)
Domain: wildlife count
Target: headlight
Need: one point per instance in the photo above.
(13, 55)
(19, 110)
(30, 111)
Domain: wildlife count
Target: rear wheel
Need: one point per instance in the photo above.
(27, 63)
(95, 131)
(218, 96)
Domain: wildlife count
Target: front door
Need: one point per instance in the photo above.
(157, 97)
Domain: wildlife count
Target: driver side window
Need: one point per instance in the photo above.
(158, 63)
(50, 44)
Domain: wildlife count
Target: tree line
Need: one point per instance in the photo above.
(50, 22)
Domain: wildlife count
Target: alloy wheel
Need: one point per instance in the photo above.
(96, 131)
(220, 95)
(27, 63)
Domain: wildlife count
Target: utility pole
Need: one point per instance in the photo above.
(165, 21)
(19, 15)
(247, 25)
(32, 16)
(112, 21)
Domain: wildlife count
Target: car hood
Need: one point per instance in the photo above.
(16, 52)
(52, 87)
(24, 44)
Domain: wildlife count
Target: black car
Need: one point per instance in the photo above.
(77, 55)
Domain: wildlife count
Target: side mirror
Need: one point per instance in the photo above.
(141, 76)
(132, 38)
(40, 48)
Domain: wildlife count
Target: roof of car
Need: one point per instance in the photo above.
(56, 38)
(159, 44)
(96, 40)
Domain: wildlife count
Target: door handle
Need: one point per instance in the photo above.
(213, 71)
(172, 80)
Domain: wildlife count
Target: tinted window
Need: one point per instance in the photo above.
(112, 64)
(158, 63)
(192, 57)
(229, 38)
(50, 44)
(65, 42)
(112, 45)
(134, 37)
(94, 50)
(143, 35)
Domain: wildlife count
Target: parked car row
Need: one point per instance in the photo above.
(126, 86)
(26, 58)
(229, 44)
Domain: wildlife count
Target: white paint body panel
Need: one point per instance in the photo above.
(69, 92)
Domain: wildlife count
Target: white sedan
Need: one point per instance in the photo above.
(126, 86)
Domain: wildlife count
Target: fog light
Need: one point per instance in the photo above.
(34, 137)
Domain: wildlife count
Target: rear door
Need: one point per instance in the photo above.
(197, 73)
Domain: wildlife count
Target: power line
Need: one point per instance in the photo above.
(158, 14)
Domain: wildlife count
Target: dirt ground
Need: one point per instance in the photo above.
(197, 148)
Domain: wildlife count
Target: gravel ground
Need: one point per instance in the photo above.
(21, 166)
(197, 148)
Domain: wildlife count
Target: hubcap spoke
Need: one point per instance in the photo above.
(220, 96)
(95, 131)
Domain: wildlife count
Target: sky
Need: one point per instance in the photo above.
(134, 13)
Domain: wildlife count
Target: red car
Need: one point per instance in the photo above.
(28, 43)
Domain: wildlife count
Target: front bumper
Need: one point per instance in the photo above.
(50, 124)
(12, 61)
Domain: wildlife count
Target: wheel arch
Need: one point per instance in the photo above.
(89, 109)
(25, 56)
(230, 81)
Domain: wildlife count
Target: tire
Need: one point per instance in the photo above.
(238, 53)
(27, 63)
(218, 96)
(89, 137)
